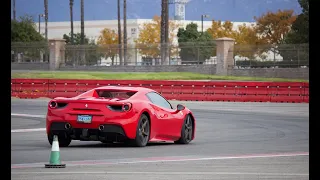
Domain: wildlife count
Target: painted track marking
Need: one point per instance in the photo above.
(170, 173)
(27, 130)
(28, 115)
(164, 159)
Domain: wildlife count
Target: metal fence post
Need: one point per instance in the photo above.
(198, 55)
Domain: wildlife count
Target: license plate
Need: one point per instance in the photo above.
(84, 118)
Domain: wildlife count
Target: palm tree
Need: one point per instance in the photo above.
(71, 19)
(119, 34)
(14, 9)
(82, 22)
(46, 18)
(125, 31)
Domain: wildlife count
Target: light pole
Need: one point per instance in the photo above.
(203, 16)
(40, 15)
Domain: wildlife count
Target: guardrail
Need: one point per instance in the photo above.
(295, 92)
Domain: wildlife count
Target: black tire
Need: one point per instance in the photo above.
(186, 131)
(63, 141)
(142, 132)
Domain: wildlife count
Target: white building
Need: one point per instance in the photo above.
(93, 28)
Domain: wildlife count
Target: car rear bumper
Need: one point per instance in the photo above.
(109, 132)
(98, 130)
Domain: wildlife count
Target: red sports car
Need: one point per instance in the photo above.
(119, 114)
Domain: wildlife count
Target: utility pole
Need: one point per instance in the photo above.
(162, 31)
(119, 34)
(82, 22)
(125, 32)
(14, 9)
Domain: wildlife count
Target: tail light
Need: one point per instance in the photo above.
(126, 107)
(53, 104)
(120, 108)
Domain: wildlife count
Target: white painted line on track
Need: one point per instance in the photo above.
(169, 173)
(163, 159)
(27, 130)
(28, 115)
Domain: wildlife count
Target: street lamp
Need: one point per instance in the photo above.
(40, 15)
(203, 16)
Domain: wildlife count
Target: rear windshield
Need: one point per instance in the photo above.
(110, 94)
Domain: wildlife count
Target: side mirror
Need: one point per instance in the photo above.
(180, 107)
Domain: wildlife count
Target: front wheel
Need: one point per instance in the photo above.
(142, 132)
(63, 141)
(186, 131)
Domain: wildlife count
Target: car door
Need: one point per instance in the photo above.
(165, 113)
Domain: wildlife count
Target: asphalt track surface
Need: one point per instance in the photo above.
(233, 141)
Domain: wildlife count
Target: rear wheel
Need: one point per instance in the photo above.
(64, 141)
(186, 131)
(142, 132)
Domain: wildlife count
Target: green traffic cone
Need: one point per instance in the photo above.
(55, 155)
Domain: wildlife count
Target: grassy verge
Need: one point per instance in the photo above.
(139, 76)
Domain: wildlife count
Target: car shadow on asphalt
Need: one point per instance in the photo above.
(117, 145)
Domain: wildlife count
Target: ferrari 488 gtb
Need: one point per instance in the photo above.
(119, 114)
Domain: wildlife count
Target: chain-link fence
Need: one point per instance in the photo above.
(139, 54)
(245, 56)
(272, 56)
(29, 52)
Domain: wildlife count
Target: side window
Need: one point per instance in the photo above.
(159, 100)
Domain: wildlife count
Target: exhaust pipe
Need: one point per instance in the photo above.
(101, 127)
(67, 126)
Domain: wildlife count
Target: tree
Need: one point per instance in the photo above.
(272, 27)
(46, 17)
(76, 39)
(81, 54)
(125, 43)
(109, 40)
(119, 33)
(82, 23)
(295, 48)
(248, 43)
(14, 9)
(24, 30)
(26, 40)
(148, 41)
(300, 28)
(71, 19)
(195, 47)
(245, 36)
(219, 29)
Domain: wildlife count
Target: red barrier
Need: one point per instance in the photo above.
(294, 92)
